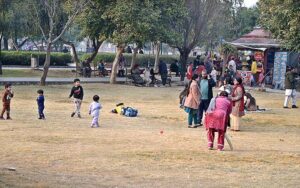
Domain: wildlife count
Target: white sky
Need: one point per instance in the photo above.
(250, 3)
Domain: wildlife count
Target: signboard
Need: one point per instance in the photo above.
(259, 56)
(246, 76)
(279, 71)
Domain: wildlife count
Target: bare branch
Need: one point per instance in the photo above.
(39, 21)
(78, 9)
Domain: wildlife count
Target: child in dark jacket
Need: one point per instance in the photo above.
(40, 102)
(77, 93)
(7, 96)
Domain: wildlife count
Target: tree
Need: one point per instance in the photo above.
(4, 21)
(193, 27)
(282, 19)
(93, 25)
(143, 21)
(47, 16)
(231, 21)
(133, 20)
(226, 50)
(198, 25)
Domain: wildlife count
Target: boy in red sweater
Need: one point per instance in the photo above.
(7, 96)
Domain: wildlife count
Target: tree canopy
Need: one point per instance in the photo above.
(282, 19)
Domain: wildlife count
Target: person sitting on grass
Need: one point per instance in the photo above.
(250, 103)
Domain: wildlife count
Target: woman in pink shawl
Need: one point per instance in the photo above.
(217, 120)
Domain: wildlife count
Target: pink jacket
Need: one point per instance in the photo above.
(193, 99)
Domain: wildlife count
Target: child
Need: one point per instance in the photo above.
(77, 93)
(40, 101)
(95, 111)
(8, 94)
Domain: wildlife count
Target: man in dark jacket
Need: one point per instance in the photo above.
(163, 71)
(206, 89)
(290, 87)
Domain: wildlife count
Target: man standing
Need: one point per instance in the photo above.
(206, 85)
(163, 71)
(233, 64)
(290, 87)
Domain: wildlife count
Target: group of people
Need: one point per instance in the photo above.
(197, 98)
(232, 101)
(76, 93)
(149, 75)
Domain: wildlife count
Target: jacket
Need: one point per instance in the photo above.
(211, 84)
(238, 101)
(290, 81)
(193, 99)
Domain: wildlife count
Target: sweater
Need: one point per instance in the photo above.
(95, 109)
(7, 97)
(40, 100)
(77, 92)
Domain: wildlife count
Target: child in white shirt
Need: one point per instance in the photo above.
(95, 111)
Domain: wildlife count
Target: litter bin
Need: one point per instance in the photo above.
(34, 63)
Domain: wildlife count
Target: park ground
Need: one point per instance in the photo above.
(156, 149)
(57, 73)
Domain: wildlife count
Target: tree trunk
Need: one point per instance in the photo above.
(46, 65)
(5, 43)
(133, 60)
(225, 58)
(74, 54)
(184, 55)
(114, 69)
(96, 45)
(157, 56)
(22, 43)
(75, 57)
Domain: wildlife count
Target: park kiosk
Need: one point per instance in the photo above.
(261, 46)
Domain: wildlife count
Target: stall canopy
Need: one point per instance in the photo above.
(258, 39)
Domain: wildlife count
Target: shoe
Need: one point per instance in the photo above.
(8, 118)
(79, 116)
(294, 106)
(1, 118)
(210, 148)
(285, 107)
(73, 114)
(190, 126)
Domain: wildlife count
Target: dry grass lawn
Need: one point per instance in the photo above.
(131, 152)
(37, 73)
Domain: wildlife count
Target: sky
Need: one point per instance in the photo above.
(250, 3)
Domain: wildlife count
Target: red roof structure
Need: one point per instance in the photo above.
(258, 38)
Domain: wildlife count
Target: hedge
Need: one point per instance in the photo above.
(142, 59)
(24, 58)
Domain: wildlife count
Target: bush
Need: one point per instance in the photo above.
(142, 59)
(24, 58)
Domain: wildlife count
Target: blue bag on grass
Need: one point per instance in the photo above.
(130, 112)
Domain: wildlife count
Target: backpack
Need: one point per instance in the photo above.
(130, 112)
